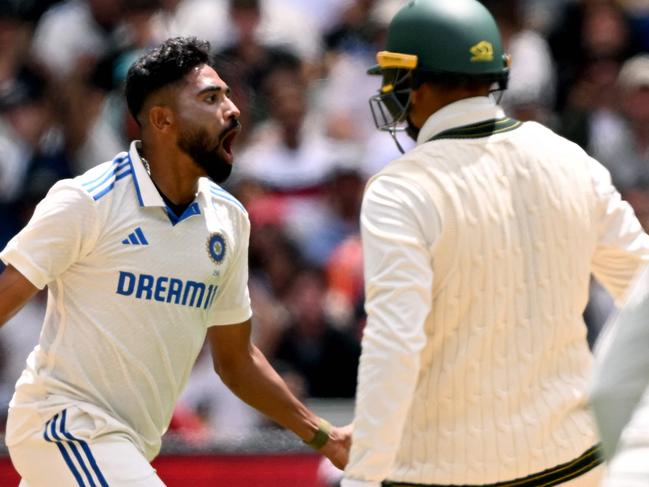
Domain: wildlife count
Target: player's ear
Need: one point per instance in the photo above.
(420, 94)
(160, 117)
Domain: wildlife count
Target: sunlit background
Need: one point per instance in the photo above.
(297, 73)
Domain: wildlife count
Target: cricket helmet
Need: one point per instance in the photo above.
(454, 40)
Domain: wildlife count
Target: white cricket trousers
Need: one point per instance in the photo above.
(628, 468)
(66, 453)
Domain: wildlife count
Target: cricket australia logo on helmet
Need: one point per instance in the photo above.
(216, 247)
(483, 51)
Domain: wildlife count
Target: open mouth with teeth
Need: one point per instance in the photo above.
(227, 140)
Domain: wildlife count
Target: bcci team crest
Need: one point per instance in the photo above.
(216, 247)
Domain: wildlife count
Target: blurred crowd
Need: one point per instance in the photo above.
(297, 69)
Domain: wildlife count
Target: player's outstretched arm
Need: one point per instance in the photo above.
(15, 291)
(245, 370)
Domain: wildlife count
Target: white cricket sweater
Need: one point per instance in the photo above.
(478, 255)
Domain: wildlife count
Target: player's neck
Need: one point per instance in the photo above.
(173, 173)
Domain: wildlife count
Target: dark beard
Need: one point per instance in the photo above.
(411, 130)
(197, 145)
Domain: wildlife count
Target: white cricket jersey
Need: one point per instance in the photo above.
(132, 289)
(620, 392)
(478, 251)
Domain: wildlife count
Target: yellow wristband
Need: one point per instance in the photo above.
(321, 436)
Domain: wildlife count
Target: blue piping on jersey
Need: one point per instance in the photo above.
(137, 185)
(112, 184)
(110, 176)
(115, 167)
(117, 160)
(191, 210)
(221, 193)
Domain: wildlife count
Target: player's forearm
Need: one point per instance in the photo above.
(15, 291)
(255, 382)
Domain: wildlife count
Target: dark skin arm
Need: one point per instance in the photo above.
(15, 291)
(245, 370)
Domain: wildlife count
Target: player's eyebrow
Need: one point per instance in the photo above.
(214, 88)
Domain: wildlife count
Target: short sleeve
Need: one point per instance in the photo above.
(61, 231)
(232, 302)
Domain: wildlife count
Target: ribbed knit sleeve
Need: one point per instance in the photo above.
(398, 226)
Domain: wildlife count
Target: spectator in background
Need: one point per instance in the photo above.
(318, 235)
(324, 353)
(283, 26)
(613, 118)
(290, 157)
(16, 29)
(15, 36)
(531, 89)
(274, 259)
(205, 19)
(591, 115)
(248, 57)
(323, 14)
(289, 152)
(588, 31)
(345, 283)
(341, 98)
(32, 151)
(589, 44)
(74, 34)
(638, 11)
(207, 410)
(97, 123)
(625, 148)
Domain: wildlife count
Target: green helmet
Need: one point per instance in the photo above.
(451, 39)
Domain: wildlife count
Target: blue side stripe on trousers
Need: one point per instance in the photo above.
(73, 447)
(65, 454)
(86, 450)
(70, 441)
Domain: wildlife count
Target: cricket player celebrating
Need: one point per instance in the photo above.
(143, 257)
(479, 245)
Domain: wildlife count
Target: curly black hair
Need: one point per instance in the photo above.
(164, 65)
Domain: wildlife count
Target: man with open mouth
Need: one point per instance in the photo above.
(144, 257)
